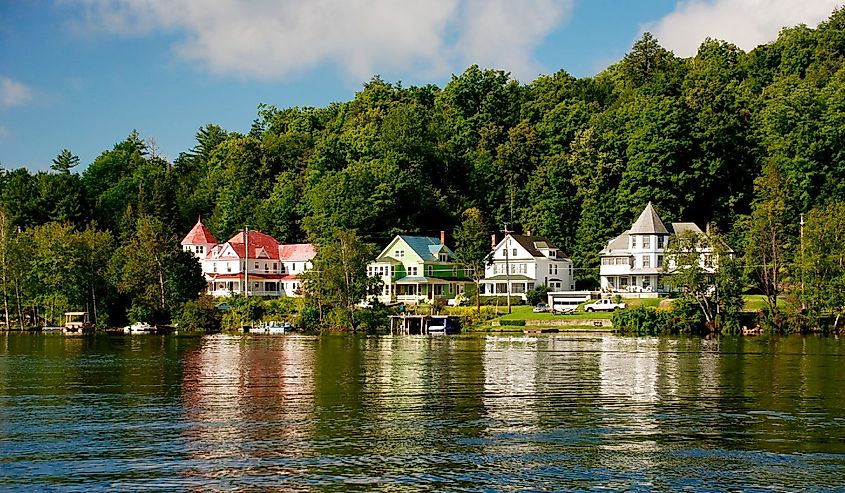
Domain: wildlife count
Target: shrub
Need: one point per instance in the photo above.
(642, 321)
(537, 295)
(516, 323)
(201, 314)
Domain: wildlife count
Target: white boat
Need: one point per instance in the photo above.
(140, 328)
(272, 328)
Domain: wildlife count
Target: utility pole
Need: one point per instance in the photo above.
(507, 233)
(246, 260)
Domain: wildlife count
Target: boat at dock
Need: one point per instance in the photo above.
(76, 324)
(140, 328)
(272, 328)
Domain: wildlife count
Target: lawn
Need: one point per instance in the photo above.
(524, 312)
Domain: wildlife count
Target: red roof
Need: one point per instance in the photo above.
(199, 235)
(257, 241)
(297, 251)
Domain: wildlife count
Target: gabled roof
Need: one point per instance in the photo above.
(648, 223)
(199, 235)
(678, 228)
(422, 246)
(531, 244)
(258, 241)
(297, 252)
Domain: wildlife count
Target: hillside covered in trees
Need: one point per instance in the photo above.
(570, 159)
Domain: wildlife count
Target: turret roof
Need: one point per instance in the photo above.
(648, 223)
(199, 235)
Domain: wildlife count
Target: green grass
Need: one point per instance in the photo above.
(525, 313)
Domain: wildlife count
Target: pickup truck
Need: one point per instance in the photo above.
(603, 305)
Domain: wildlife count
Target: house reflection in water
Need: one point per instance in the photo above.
(245, 399)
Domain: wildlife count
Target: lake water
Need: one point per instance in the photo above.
(466, 413)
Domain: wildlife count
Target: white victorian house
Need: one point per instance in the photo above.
(250, 262)
(633, 261)
(519, 263)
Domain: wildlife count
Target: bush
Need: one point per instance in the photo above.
(372, 319)
(642, 321)
(201, 314)
(309, 318)
(515, 323)
(501, 300)
(470, 317)
(537, 295)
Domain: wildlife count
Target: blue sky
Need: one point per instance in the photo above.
(82, 74)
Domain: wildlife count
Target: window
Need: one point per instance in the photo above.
(228, 267)
(708, 260)
(399, 253)
(646, 241)
(266, 267)
(271, 286)
(429, 270)
(633, 242)
(646, 282)
(412, 271)
(214, 267)
(660, 241)
(514, 252)
(256, 266)
(444, 257)
(200, 249)
(275, 266)
(660, 261)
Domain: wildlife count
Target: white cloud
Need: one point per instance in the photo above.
(745, 23)
(13, 93)
(279, 38)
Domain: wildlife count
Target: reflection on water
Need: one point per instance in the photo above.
(463, 413)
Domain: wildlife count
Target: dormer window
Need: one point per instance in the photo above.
(444, 257)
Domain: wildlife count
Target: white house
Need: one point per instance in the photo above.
(633, 261)
(250, 262)
(533, 261)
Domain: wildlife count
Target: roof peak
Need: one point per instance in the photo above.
(648, 222)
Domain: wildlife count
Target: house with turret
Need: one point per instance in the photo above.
(633, 262)
(417, 269)
(250, 262)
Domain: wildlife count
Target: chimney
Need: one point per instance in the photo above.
(493, 240)
(442, 237)
(707, 228)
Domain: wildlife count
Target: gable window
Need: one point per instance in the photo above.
(646, 241)
(444, 257)
(514, 252)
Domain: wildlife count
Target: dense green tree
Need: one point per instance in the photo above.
(64, 162)
(339, 278)
(822, 260)
(472, 248)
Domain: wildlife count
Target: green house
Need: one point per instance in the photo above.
(417, 269)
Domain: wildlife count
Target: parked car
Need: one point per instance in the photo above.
(541, 308)
(603, 305)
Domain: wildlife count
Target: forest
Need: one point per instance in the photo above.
(748, 142)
